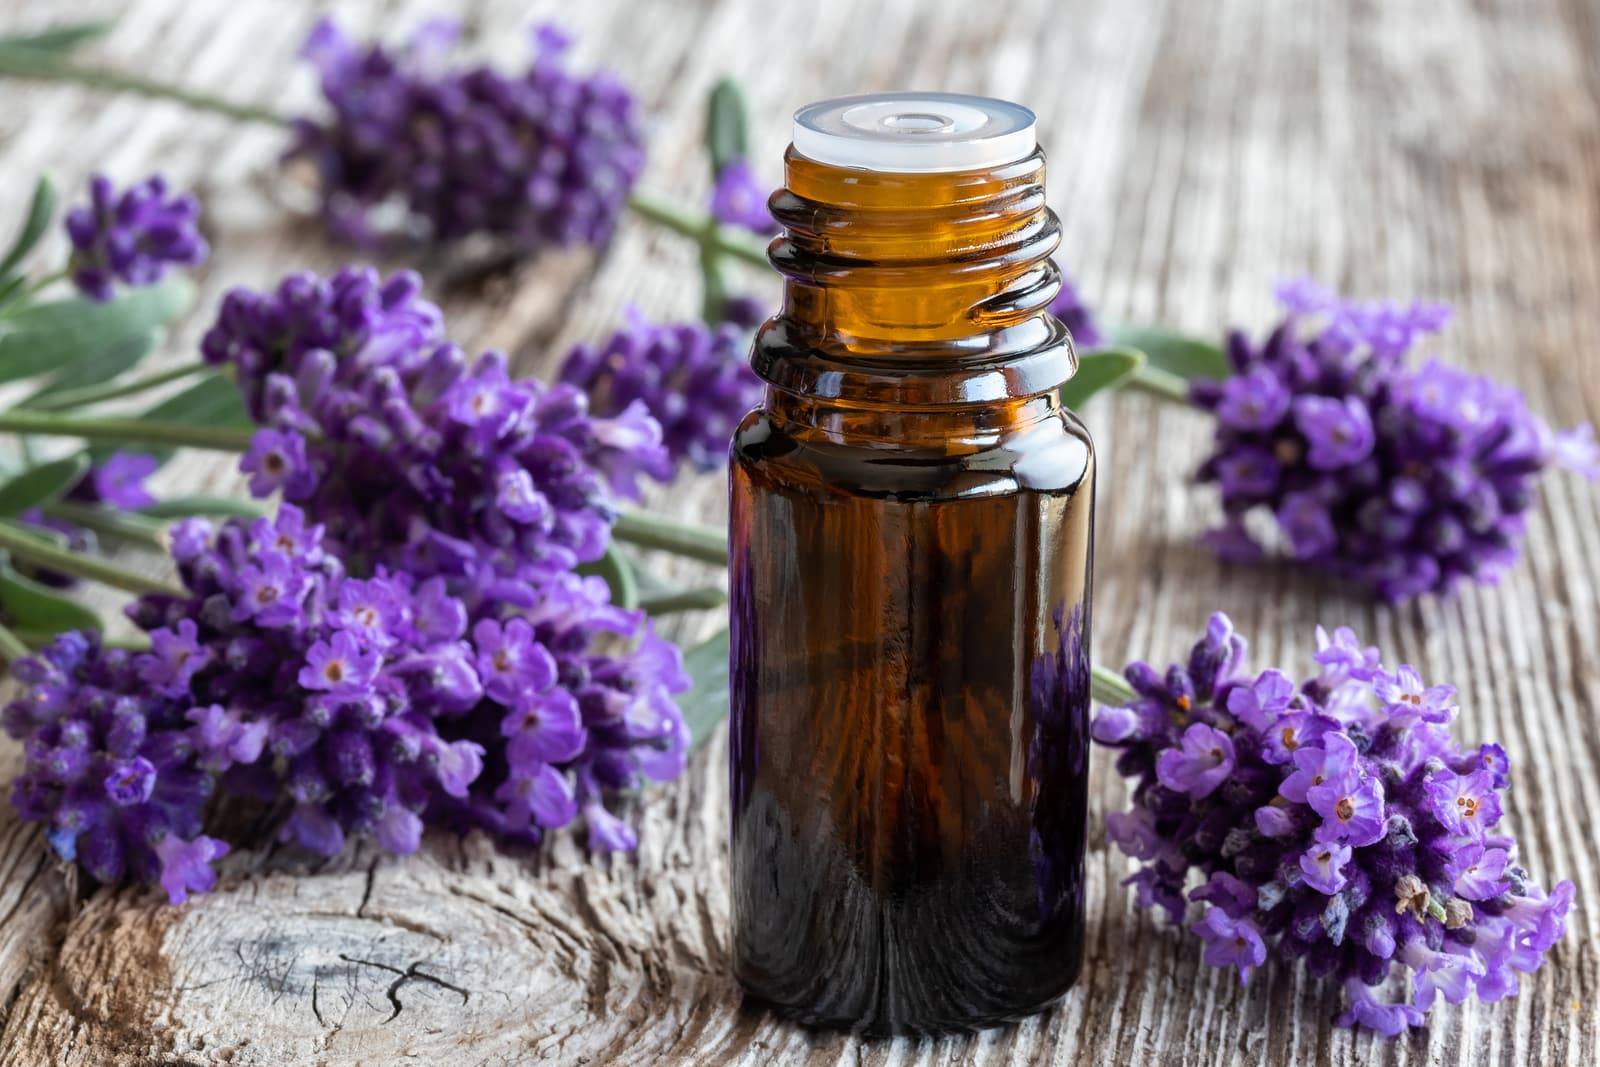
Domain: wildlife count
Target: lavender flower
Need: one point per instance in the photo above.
(540, 157)
(299, 680)
(563, 722)
(131, 237)
(1336, 821)
(1402, 479)
(695, 382)
(118, 481)
(412, 457)
(110, 768)
(382, 703)
(1075, 315)
(738, 198)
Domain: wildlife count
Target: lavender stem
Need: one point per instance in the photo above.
(25, 546)
(23, 62)
(129, 431)
(94, 394)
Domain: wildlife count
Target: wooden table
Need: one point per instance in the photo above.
(1200, 150)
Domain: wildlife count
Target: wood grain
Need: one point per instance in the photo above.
(1440, 148)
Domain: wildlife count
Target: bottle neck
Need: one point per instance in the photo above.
(915, 289)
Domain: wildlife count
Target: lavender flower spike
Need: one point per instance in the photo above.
(110, 769)
(1335, 821)
(413, 456)
(537, 157)
(1400, 479)
(696, 382)
(131, 237)
(297, 680)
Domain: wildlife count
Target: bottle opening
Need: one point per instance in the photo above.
(914, 132)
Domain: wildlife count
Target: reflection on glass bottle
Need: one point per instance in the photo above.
(1058, 759)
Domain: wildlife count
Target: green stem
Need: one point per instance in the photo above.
(129, 431)
(683, 600)
(706, 233)
(40, 638)
(109, 521)
(94, 394)
(12, 647)
(1161, 383)
(22, 62)
(38, 285)
(26, 546)
(641, 528)
(185, 507)
(1106, 686)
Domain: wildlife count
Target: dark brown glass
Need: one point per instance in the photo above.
(911, 543)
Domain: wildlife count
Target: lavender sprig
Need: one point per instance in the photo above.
(133, 236)
(1335, 820)
(539, 157)
(110, 768)
(1401, 479)
(413, 456)
(372, 704)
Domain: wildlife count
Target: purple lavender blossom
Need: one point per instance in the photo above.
(131, 237)
(1402, 479)
(298, 680)
(118, 481)
(536, 158)
(1351, 830)
(1075, 315)
(738, 198)
(411, 456)
(578, 723)
(110, 769)
(377, 704)
(694, 381)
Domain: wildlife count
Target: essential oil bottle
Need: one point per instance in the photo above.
(911, 544)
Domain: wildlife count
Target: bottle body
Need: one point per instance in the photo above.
(909, 686)
(911, 542)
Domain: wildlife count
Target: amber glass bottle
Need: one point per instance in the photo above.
(911, 544)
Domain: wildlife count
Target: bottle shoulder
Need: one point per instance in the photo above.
(1053, 454)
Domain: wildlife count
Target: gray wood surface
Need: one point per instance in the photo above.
(1199, 150)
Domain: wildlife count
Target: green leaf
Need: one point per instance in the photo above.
(705, 705)
(1187, 357)
(11, 288)
(60, 39)
(183, 507)
(1100, 369)
(727, 125)
(50, 337)
(40, 485)
(40, 209)
(211, 401)
(36, 607)
(713, 286)
(117, 358)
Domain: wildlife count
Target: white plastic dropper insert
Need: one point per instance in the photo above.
(899, 133)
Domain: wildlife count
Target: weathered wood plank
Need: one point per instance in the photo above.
(1199, 151)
